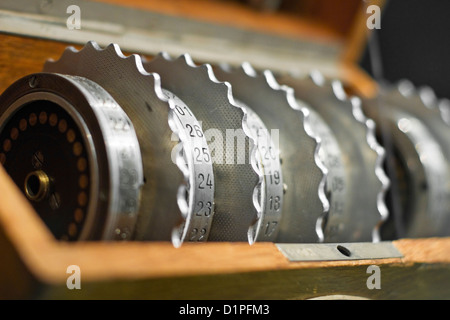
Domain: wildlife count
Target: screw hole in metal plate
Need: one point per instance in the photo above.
(344, 251)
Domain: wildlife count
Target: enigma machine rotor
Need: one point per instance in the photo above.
(113, 147)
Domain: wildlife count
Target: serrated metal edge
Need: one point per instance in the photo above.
(444, 108)
(427, 97)
(371, 139)
(268, 79)
(421, 107)
(181, 164)
(138, 64)
(260, 183)
(292, 102)
(370, 128)
(226, 89)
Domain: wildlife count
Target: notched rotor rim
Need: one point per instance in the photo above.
(244, 78)
(367, 126)
(129, 70)
(248, 209)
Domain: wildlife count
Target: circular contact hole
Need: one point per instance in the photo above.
(36, 185)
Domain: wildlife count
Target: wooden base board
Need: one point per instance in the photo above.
(34, 265)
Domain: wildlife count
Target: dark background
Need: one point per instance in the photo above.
(414, 44)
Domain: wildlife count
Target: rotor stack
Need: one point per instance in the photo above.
(113, 147)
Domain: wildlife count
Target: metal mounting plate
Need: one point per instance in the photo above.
(337, 251)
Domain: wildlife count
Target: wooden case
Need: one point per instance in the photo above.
(35, 266)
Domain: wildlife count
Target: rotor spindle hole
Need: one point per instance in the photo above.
(37, 185)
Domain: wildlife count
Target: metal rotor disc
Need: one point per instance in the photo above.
(270, 193)
(71, 148)
(166, 206)
(223, 122)
(193, 158)
(304, 200)
(420, 153)
(356, 181)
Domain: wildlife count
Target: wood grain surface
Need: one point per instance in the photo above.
(233, 13)
(37, 263)
(20, 56)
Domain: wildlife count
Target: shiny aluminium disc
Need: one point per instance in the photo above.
(301, 188)
(74, 153)
(171, 208)
(356, 182)
(236, 178)
(415, 130)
